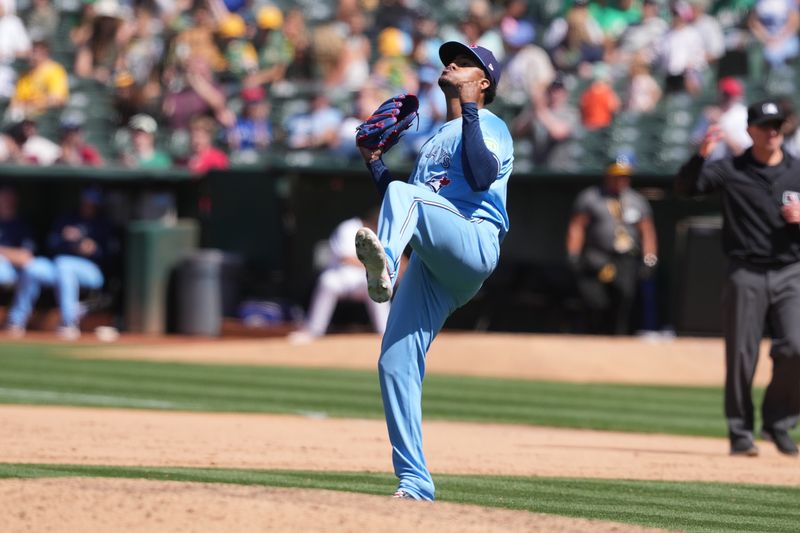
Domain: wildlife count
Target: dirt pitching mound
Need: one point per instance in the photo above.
(101, 505)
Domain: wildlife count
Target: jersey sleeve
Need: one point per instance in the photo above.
(697, 176)
(582, 203)
(644, 206)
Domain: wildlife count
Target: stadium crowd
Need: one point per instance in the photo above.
(204, 84)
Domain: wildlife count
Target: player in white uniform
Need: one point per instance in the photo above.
(343, 278)
(452, 211)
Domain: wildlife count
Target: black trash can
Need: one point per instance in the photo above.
(199, 294)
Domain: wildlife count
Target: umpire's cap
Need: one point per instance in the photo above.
(765, 112)
(449, 50)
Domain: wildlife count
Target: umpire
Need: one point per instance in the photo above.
(761, 237)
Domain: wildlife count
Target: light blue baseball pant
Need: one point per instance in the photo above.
(67, 274)
(453, 255)
(37, 273)
(8, 274)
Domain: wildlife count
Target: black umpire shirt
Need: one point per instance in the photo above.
(752, 196)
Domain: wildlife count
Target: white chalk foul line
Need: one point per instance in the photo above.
(95, 399)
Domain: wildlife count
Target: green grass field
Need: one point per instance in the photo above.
(31, 377)
(48, 375)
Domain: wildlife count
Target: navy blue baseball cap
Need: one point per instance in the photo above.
(92, 195)
(449, 50)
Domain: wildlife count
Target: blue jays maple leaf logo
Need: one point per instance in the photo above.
(437, 182)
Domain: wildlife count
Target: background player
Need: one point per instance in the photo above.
(452, 211)
(16, 239)
(342, 278)
(81, 243)
(611, 241)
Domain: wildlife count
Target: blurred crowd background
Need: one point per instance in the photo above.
(212, 84)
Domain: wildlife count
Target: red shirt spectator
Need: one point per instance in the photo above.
(209, 159)
(75, 151)
(204, 156)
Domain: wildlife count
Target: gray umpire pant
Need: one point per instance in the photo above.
(752, 297)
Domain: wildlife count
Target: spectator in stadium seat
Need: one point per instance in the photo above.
(15, 39)
(44, 86)
(142, 151)
(775, 23)
(426, 37)
(9, 150)
(79, 34)
(682, 52)
(82, 243)
(709, 29)
(197, 40)
(204, 156)
(478, 27)
(643, 92)
(641, 39)
(328, 47)
(32, 147)
(575, 39)
(144, 50)
(730, 115)
(275, 51)
(301, 66)
(42, 20)
(354, 62)
(599, 102)
(97, 58)
(394, 14)
(551, 123)
(317, 128)
(614, 19)
(75, 151)
(14, 44)
(195, 92)
(393, 66)
(128, 99)
(527, 70)
(252, 131)
(240, 54)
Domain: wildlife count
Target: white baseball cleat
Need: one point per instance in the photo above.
(14, 331)
(68, 333)
(401, 494)
(370, 252)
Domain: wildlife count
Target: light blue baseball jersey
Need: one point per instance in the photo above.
(439, 167)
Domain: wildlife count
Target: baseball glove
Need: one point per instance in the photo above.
(382, 129)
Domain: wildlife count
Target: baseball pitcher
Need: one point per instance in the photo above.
(452, 211)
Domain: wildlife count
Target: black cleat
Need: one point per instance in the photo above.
(782, 440)
(744, 447)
